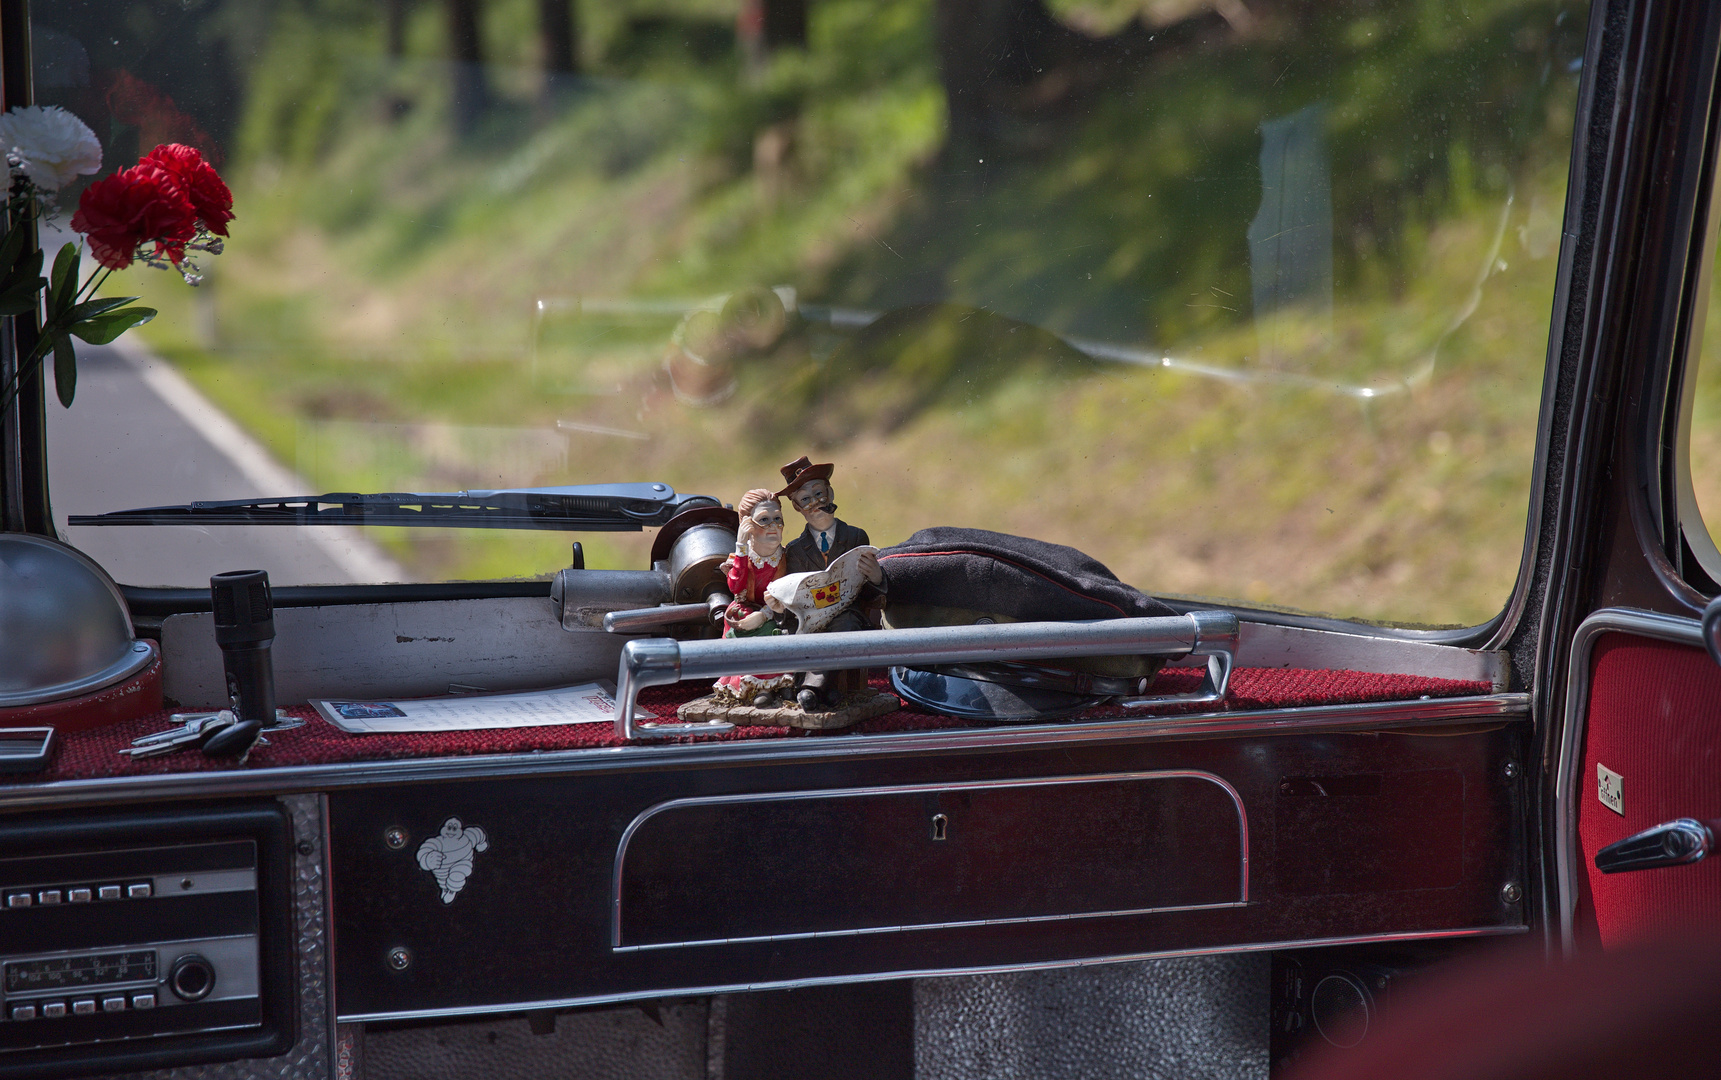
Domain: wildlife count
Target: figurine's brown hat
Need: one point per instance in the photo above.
(801, 470)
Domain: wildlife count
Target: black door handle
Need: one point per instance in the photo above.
(1672, 843)
(1711, 625)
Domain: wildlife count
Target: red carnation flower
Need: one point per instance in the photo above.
(135, 206)
(200, 182)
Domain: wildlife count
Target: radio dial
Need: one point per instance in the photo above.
(191, 978)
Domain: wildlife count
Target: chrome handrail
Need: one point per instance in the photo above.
(661, 661)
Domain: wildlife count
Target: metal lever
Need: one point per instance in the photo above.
(1673, 843)
(660, 661)
(640, 619)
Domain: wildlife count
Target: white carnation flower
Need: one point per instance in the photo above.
(53, 146)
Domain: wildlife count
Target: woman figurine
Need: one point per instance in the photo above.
(758, 561)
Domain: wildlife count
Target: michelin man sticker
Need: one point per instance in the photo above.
(448, 855)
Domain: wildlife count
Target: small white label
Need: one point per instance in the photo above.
(1610, 789)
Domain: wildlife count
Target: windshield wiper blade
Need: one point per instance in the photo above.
(585, 508)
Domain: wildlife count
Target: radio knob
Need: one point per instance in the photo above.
(191, 978)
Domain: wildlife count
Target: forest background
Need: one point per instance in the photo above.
(480, 240)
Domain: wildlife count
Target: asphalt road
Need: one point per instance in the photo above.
(139, 435)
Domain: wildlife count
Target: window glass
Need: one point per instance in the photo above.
(1248, 300)
(1704, 434)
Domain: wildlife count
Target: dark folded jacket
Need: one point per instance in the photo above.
(1012, 577)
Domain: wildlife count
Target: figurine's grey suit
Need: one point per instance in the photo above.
(804, 553)
(804, 556)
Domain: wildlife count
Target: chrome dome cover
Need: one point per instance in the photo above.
(64, 627)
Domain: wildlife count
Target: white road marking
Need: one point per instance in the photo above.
(345, 546)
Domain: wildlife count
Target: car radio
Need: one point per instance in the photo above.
(144, 940)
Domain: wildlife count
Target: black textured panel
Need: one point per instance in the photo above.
(624, 1043)
(1195, 1018)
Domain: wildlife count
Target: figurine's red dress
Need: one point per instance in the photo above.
(748, 577)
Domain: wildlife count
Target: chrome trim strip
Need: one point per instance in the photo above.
(1649, 624)
(661, 661)
(959, 925)
(1362, 716)
(914, 789)
(923, 973)
(317, 921)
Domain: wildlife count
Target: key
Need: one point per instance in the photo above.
(176, 734)
(194, 732)
(191, 737)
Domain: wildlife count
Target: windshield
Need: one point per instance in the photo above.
(1247, 300)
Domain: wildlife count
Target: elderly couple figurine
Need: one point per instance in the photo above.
(761, 557)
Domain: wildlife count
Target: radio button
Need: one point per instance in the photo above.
(113, 1004)
(78, 896)
(48, 896)
(84, 1007)
(108, 892)
(143, 1001)
(23, 1012)
(18, 899)
(53, 1009)
(140, 891)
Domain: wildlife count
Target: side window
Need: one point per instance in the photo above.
(1248, 301)
(1703, 435)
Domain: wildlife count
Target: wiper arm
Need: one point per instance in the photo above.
(585, 508)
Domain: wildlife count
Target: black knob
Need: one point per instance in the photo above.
(191, 978)
(245, 628)
(233, 741)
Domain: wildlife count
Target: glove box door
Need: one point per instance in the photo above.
(870, 860)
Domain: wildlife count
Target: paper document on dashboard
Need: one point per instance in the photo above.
(588, 703)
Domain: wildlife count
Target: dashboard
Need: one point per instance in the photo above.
(336, 883)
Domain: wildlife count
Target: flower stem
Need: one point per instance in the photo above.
(16, 385)
(94, 282)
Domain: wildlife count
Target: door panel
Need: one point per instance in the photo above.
(1654, 720)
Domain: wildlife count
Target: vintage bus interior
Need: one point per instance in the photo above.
(1288, 431)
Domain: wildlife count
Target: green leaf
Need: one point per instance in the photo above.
(20, 298)
(63, 286)
(65, 369)
(101, 329)
(11, 246)
(28, 268)
(96, 307)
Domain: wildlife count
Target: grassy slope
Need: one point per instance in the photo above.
(376, 307)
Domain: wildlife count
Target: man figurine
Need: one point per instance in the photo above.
(808, 489)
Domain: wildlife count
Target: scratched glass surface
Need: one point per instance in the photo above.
(1703, 438)
(1248, 300)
